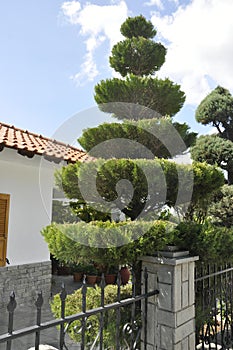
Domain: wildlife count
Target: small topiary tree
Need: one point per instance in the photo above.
(216, 109)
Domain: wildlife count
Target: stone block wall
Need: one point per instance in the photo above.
(26, 281)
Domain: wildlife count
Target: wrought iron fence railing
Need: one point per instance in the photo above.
(130, 337)
(214, 306)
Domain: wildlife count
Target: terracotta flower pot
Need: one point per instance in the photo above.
(91, 279)
(125, 275)
(77, 276)
(110, 278)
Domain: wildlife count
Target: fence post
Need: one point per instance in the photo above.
(171, 314)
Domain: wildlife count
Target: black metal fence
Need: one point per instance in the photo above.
(214, 306)
(127, 335)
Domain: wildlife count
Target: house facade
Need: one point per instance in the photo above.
(27, 165)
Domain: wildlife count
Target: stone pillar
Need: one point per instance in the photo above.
(171, 314)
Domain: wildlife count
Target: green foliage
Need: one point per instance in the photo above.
(138, 26)
(79, 267)
(160, 95)
(188, 137)
(150, 179)
(74, 306)
(207, 181)
(209, 242)
(141, 132)
(60, 246)
(138, 56)
(221, 209)
(217, 109)
(213, 150)
(106, 243)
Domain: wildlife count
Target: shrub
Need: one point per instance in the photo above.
(221, 209)
(211, 243)
(135, 238)
(93, 298)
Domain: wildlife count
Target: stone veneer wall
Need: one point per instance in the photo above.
(26, 281)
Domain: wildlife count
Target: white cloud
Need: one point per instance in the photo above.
(212, 131)
(71, 9)
(97, 24)
(157, 3)
(88, 71)
(200, 49)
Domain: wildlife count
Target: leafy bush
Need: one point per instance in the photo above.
(118, 243)
(74, 305)
(211, 243)
(221, 209)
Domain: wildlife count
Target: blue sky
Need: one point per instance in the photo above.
(54, 52)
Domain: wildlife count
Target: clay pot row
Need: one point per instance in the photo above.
(109, 279)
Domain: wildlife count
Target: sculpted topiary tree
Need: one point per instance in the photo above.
(217, 110)
(131, 178)
(145, 105)
(136, 58)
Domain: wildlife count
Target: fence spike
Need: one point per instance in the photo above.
(102, 282)
(12, 303)
(39, 301)
(84, 296)
(84, 278)
(118, 281)
(63, 293)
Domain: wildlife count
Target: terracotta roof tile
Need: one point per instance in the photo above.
(29, 144)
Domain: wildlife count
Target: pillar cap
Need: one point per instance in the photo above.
(168, 261)
(172, 254)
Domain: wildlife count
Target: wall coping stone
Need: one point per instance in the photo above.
(168, 261)
(22, 266)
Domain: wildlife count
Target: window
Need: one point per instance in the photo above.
(4, 214)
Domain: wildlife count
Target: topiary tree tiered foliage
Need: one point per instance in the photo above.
(136, 58)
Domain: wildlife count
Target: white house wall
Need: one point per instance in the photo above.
(30, 187)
